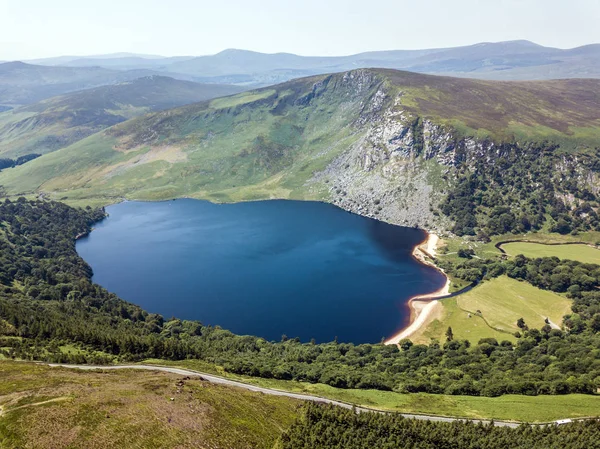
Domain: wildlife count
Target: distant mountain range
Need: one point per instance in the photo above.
(512, 60)
(22, 83)
(60, 121)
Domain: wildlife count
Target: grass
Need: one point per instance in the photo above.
(240, 99)
(581, 253)
(491, 310)
(61, 121)
(508, 407)
(56, 408)
(228, 150)
(489, 250)
(464, 327)
(502, 301)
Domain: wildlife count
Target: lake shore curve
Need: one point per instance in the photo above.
(422, 306)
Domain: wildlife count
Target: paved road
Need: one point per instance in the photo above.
(305, 397)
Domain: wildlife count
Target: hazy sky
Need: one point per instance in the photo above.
(41, 28)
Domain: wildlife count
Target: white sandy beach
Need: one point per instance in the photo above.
(422, 306)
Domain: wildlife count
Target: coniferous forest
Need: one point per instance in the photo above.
(328, 427)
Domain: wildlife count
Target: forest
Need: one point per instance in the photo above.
(47, 301)
(519, 190)
(329, 427)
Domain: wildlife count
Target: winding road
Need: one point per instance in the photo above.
(304, 397)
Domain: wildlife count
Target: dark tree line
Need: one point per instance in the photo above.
(47, 300)
(9, 163)
(329, 427)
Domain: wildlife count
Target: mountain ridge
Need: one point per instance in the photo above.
(517, 59)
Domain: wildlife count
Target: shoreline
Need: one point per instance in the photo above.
(422, 306)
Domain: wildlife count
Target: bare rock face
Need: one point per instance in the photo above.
(394, 172)
(401, 166)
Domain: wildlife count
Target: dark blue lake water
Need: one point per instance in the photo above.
(266, 268)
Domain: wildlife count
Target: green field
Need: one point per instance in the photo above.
(502, 301)
(539, 244)
(507, 407)
(581, 253)
(492, 310)
(450, 314)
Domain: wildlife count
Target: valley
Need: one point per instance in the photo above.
(274, 236)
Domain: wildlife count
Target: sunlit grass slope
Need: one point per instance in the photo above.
(491, 310)
(61, 121)
(46, 407)
(581, 253)
(502, 301)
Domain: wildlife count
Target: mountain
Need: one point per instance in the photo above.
(377, 142)
(519, 60)
(512, 60)
(117, 61)
(61, 121)
(22, 83)
(127, 63)
(64, 60)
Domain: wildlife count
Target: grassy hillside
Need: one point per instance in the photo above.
(272, 142)
(58, 408)
(58, 122)
(582, 253)
(491, 310)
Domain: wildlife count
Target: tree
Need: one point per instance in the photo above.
(466, 253)
(405, 344)
(449, 334)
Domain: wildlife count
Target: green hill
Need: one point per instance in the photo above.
(377, 142)
(60, 121)
(58, 408)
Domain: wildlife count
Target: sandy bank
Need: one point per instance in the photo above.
(422, 306)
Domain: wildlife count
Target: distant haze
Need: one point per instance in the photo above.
(39, 29)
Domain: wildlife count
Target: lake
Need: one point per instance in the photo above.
(266, 268)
